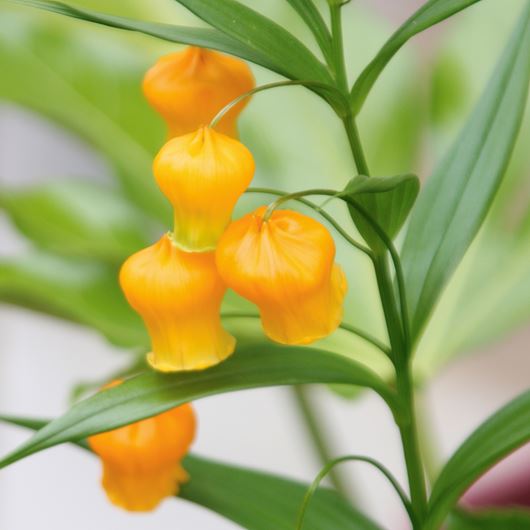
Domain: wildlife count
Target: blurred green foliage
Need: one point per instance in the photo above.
(87, 79)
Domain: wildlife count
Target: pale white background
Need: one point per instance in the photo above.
(40, 358)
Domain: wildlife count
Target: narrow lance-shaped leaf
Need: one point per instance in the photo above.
(253, 365)
(457, 197)
(203, 37)
(253, 499)
(254, 37)
(503, 432)
(428, 15)
(264, 36)
(309, 12)
(387, 199)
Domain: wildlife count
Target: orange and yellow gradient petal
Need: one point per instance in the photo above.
(285, 265)
(190, 87)
(203, 174)
(178, 294)
(142, 461)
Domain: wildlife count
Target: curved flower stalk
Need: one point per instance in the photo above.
(188, 88)
(142, 461)
(178, 294)
(202, 174)
(285, 265)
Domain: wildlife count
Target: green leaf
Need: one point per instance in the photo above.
(495, 272)
(497, 437)
(456, 199)
(387, 199)
(74, 289)
(78, 219)
(289, 56)
(254, 37)
(490, 520)
(253, 365)
(253, 499)
(310, 14)
(89, 83)
(428, 15)
(203, 37)
(29, 423)
(261, 501)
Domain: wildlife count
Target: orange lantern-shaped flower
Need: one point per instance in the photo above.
(189, 88)
(142, 461)
(202, 174)
(178, 295)
(285, 265)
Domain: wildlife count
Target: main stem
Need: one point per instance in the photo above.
(396, 322)
(355, 144)
(409, 438)
(401, 358)
(341, 77)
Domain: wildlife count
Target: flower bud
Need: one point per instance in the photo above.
(142, 461)
(189, 88)
(178, 294)
(285, 265)
(202, 174)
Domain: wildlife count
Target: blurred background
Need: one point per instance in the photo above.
(76, 141)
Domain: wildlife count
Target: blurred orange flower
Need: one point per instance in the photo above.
(178, 294)
(190, 87)
(142, 461)
(285, 265)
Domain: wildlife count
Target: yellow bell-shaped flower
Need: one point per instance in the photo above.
(202, 174)
(178, 294)
(142, 461)
(189, 88)
(285, 265)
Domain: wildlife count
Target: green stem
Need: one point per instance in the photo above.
(288, 197)
(321, 212)
(320, 443)
(398, 332)
(388, 301)
(328, 468)
(331, 90)
(347, 327)
(407, 421)
(367, 337)
(342, 83)
(409, 437)
(355, 144)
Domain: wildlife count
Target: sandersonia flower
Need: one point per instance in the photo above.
(189, 88)
(202, 174)
(178, 294)
(285, 265)
(142, 461)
